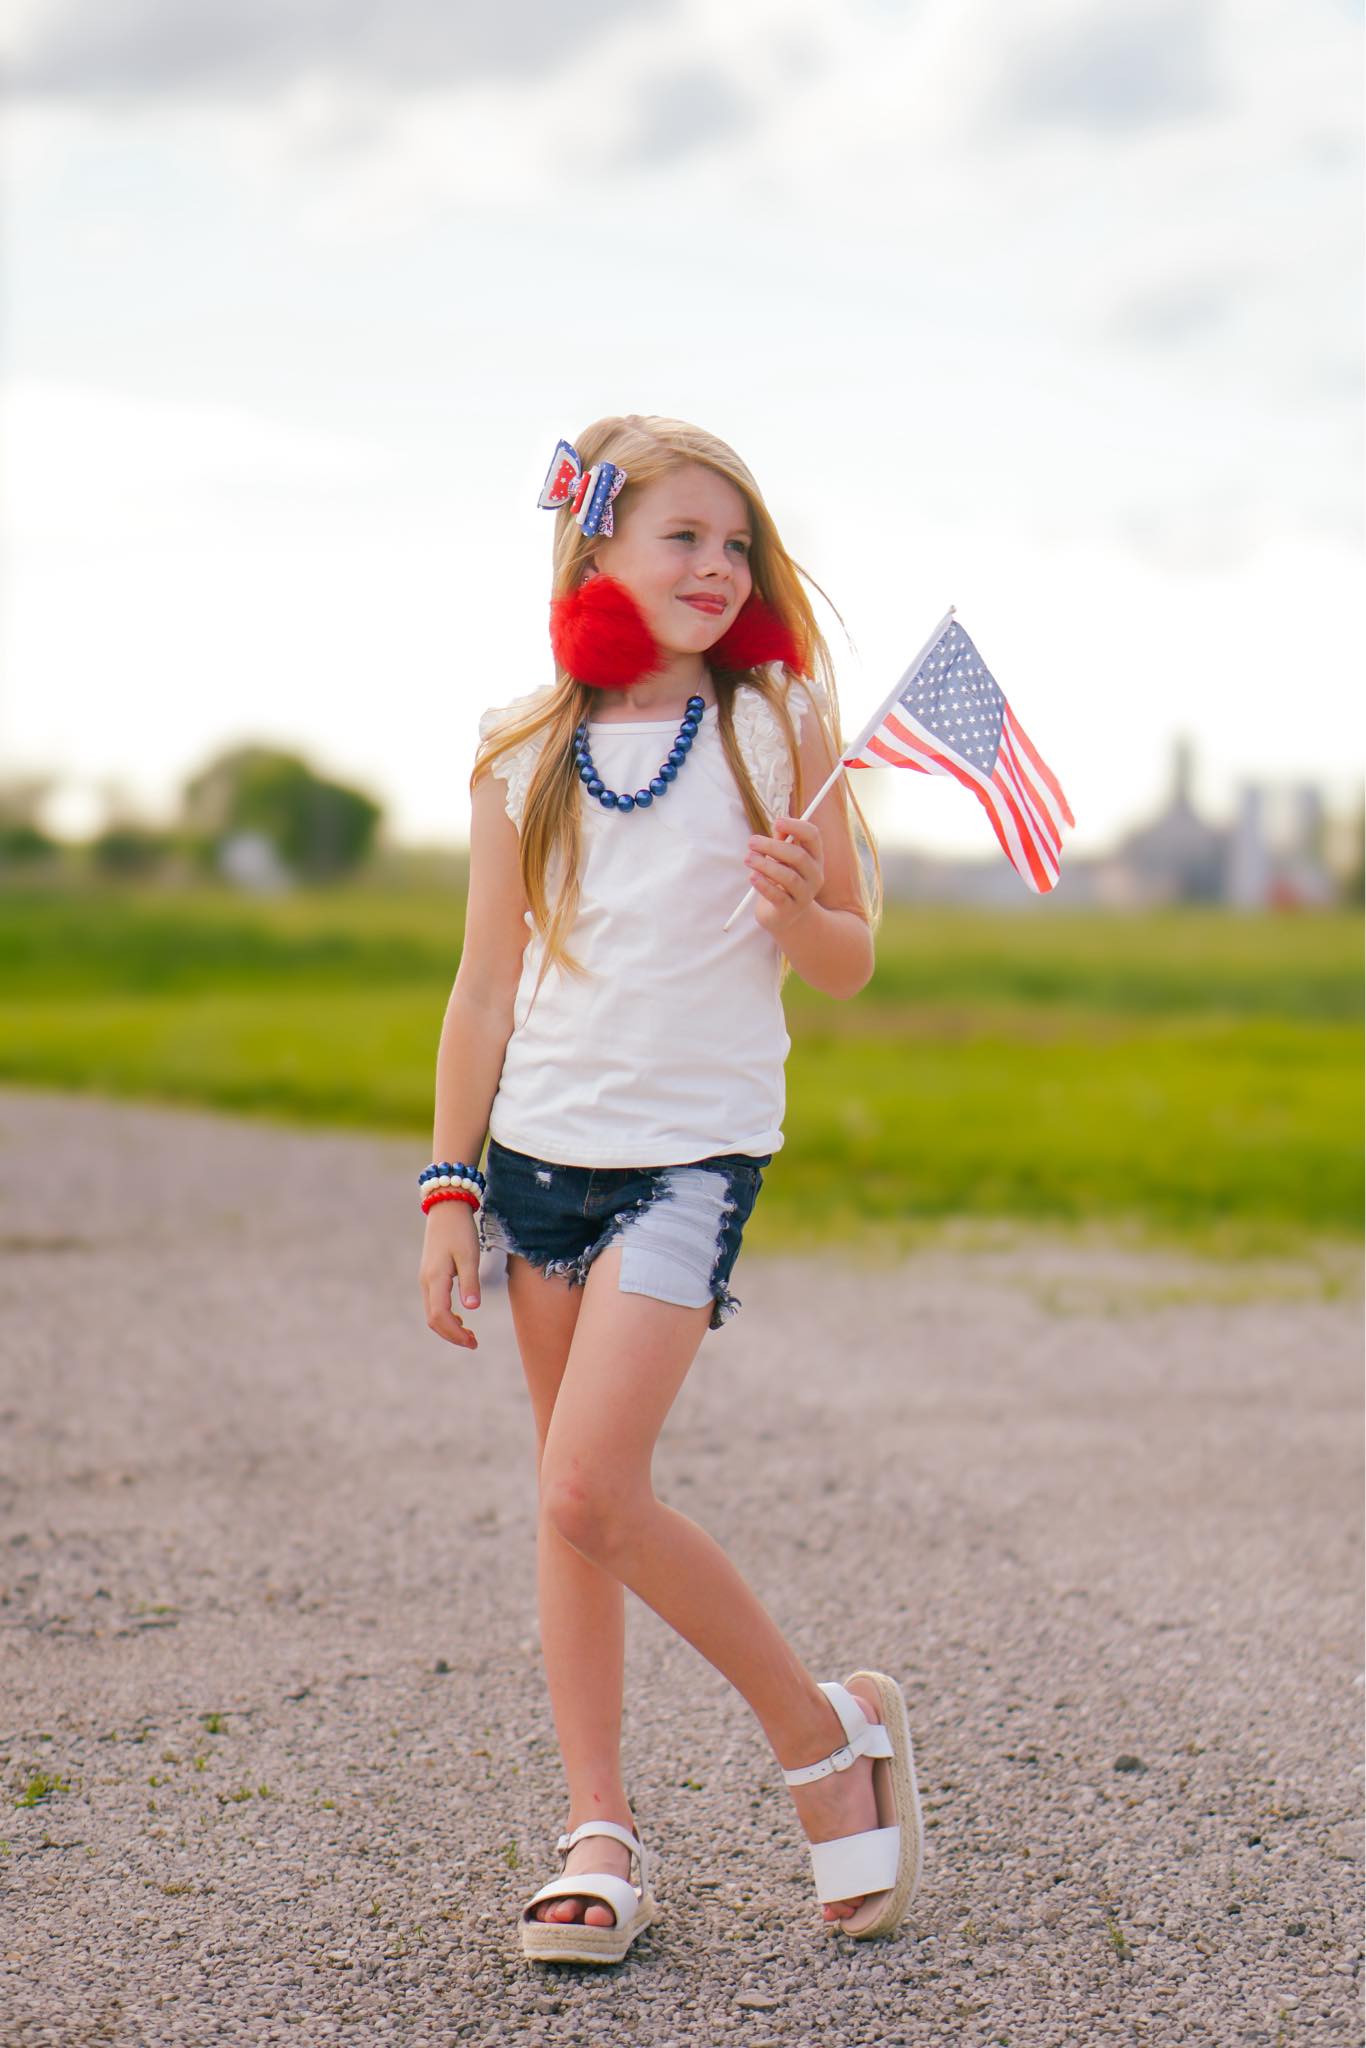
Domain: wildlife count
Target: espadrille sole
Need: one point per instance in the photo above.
(898, 1804)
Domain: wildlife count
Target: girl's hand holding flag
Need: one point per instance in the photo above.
(786, 871)
(947, 716)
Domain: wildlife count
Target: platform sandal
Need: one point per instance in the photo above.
(883, 1863)
(572, 1941)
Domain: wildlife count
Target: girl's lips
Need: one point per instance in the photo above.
(707, 604)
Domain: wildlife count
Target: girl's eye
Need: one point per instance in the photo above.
(687, 533)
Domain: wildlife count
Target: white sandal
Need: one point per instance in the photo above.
(572, 1941)
(884, 1862)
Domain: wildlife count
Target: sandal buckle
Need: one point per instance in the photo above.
(840, 1759)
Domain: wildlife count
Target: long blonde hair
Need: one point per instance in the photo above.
(648, 447)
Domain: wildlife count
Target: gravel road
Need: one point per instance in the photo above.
(276, 1750)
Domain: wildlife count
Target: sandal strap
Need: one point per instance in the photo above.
(865, 1738)
(619, 1833)
(854, 1866)
(614, 1891)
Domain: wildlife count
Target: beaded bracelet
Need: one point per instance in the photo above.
(446, 1174)
(445, 1177)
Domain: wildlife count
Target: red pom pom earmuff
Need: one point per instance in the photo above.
(599, 634)
(756, 634)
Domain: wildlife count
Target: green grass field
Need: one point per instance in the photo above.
(1191, 1076)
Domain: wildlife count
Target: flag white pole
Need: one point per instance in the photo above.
(856, 746)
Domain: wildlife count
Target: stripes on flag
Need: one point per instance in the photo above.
(951, 718)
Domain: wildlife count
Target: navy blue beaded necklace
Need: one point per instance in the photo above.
(658, 784)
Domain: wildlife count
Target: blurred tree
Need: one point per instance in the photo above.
(130, 849)
(20, 844)
(22, 836)
(319, 828)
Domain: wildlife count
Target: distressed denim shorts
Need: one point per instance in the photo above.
(679, 1226)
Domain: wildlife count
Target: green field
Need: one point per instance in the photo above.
(1190, 1076)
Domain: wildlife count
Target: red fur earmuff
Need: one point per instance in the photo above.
(599, 634)
(756, 634)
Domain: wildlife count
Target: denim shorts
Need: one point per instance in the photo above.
(679, 1226)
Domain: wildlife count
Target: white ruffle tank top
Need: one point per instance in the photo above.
(673, 1048)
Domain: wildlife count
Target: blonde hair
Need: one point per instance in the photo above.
(647, 448)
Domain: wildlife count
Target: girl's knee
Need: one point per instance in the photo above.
(597, 1517)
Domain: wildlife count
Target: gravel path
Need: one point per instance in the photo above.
(268, 1630)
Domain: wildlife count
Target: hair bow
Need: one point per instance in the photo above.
(587, 492)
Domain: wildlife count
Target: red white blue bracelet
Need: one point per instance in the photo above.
(445, 1181)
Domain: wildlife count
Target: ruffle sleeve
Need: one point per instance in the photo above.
(762, 742)
(518, 764)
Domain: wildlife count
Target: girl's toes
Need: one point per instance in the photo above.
(562, 1911)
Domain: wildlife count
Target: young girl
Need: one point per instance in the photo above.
(624, 1054)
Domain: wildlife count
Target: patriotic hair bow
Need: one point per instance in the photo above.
(587, 492)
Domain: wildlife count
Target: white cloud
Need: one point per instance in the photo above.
(135, 52)
(86, 465)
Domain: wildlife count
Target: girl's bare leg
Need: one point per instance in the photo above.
(582, 1611)
(628, 1357)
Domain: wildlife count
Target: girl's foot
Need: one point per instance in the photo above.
(842, 1803)
(594, 1852)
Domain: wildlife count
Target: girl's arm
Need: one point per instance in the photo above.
(474, 1036)
(806, 877)
(479, 1014)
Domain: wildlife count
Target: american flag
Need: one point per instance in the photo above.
(950, 718)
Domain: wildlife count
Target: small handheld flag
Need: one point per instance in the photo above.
(948, 716)
(951, 718)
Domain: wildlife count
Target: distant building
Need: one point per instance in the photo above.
(1272, 855)
(1178, 858)
(1285, 869)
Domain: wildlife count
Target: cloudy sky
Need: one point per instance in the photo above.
(1050, 311)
